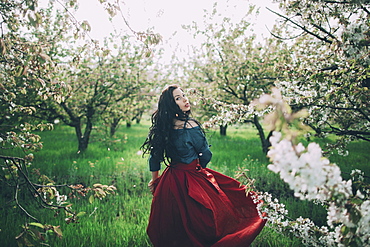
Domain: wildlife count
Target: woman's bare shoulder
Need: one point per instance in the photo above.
(191, 124)
(180, 124)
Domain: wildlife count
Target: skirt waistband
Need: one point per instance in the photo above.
(182, 166)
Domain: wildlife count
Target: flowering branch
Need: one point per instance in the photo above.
(311, 176)
(45, 192)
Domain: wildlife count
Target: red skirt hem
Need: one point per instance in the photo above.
(194, 206)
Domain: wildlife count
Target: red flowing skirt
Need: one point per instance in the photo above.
(194, 206)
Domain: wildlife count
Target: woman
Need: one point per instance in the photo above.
(192, 205)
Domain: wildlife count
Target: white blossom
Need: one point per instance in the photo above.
(311, 176)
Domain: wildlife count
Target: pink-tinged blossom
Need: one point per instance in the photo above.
(308, 174)
(311, 176)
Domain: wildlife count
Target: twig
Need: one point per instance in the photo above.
(20, 206)
(302, 27)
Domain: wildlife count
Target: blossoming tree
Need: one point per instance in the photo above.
(33, 63)
(329, 75)
(233, 69)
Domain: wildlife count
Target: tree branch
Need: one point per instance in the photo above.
(302, 27)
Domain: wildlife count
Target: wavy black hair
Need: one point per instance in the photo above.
(157, 142)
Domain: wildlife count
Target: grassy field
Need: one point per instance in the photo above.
(121, 219)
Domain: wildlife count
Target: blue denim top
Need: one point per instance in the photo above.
(188, 144)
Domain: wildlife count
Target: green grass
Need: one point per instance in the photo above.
(121, 219)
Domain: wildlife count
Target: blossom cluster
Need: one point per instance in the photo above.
(356, 36)
(298, 167)
(303, 228)
(311, 176)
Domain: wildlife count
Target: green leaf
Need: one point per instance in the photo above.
(58, 231)
(37, 224)
(356, 201)
(344, 230)
(91, 199)
(32, 20)
(86, 26)
(81, 214)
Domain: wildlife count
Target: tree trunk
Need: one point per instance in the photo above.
(83, 143)
(138, 116)
(264, 141)
(223, 129)
(83, 139)
(114, 126)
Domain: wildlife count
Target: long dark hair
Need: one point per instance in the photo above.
(157, 142)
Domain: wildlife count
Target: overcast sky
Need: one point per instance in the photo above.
(167, 16)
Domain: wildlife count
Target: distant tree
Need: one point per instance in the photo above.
(26, 72)
(102, 85)
(140, 73)
(62, 77)
(39, 59)
(234, 70)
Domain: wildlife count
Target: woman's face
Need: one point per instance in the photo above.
(181, 100)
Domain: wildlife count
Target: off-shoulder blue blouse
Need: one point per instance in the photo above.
(188, 144)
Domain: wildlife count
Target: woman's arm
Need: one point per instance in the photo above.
(201, 146)
(155, 175)
(153, 181)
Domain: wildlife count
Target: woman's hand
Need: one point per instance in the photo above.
(154, 181)
(153, 184)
